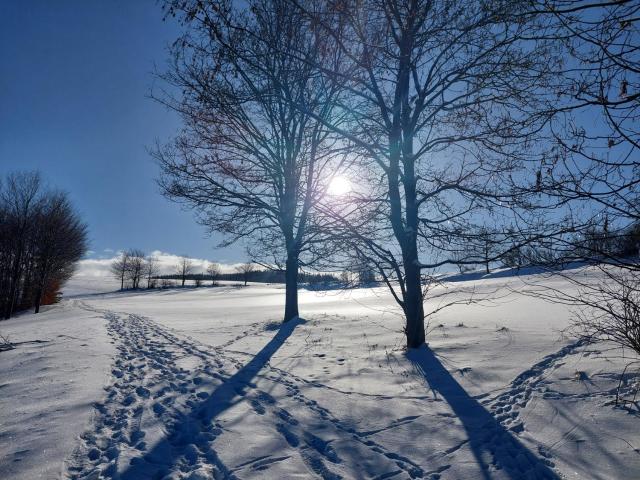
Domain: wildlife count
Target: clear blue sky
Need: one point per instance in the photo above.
(74, 75)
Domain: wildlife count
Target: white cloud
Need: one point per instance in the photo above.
(99, 267)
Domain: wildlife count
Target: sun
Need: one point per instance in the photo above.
(339, 186)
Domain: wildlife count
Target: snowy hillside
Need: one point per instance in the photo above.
(204, 383)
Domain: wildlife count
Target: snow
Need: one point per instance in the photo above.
(83, 284)
(48, 383)
(205, 383)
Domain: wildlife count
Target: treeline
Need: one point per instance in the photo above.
(596, 244)
(41, 239)
(603, 243)
(260, 276)
(134, 269)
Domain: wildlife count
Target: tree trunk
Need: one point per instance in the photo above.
(183, 279)
(401, 139)
(486, 259)
(407, 238)
(291, 295)
(38, 301)
(13, 288)
(413, 308)
(39, 292)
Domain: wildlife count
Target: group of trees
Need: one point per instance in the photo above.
(185, 271)
(468, 125)
(244, 272)
(133, 268)
(41, 239)
(250, 272)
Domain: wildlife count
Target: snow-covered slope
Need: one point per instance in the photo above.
(204, 383)
(48, 384)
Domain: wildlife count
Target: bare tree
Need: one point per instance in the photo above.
(184, 268)
(481, 247)
(41, 239)
(151, 270)
(60, 241)
(20, 202)
(606, 304)
(594, 170)
(246, 269)
(213, 270)
(120, 267)
(254, 158)
(610, 308)
(445, 103)
(135, 267)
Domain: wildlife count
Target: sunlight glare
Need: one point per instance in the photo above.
(339, 186)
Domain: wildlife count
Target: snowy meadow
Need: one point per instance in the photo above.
(342, 239)
(207, 383)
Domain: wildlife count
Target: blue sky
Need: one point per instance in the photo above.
(74, 75)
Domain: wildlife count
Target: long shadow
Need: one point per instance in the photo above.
(490, 442)
(196, 427)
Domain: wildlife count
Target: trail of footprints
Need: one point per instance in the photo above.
(150, 391)
(147, 389)
(506, 407)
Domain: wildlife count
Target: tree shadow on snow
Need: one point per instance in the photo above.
(197, 427)
(490, 442)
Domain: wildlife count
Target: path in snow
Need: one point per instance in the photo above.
(161, 418)
(146, 379)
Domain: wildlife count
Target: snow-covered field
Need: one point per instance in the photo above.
(204, 383)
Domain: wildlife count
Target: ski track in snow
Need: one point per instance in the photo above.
(150, 392)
